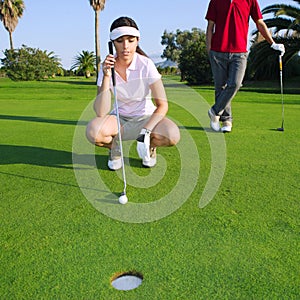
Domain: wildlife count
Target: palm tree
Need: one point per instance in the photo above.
(98, 5)
(285, 27)
(85, 63)
(10, 12)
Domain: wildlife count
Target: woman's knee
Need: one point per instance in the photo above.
(167, 133)
(91, 132)
(168, 137)
(174, 136)
(94, 130)
(99, 130)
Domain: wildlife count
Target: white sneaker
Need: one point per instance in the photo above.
(152, 162)
(227, 126)
(214, 120)
(114, 159)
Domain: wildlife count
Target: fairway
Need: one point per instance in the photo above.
(217, 218)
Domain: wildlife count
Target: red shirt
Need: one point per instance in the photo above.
(231, 20)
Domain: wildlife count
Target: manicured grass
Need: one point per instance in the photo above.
(55, 245)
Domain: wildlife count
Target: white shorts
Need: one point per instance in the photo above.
(131, 126)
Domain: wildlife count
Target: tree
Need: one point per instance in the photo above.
(285, 28)
(172, 50)
(176, 42)
(10, 12)
(29, 63)
(188, 49)
(98, 5)
(194, 62)
(85, 63)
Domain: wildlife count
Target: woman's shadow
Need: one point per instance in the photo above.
(38, 156)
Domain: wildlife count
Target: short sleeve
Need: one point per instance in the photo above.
(255, 11)
(153, 74)
(211, 12)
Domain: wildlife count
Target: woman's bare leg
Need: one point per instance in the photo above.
(165, 133)
(101, 130)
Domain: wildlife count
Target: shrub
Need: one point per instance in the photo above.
(29, 64)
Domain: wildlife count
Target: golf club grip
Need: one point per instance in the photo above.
(111, 51)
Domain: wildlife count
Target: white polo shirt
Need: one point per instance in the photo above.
(134, 95)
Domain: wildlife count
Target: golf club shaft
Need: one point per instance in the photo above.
(281, 88)
(110, 45)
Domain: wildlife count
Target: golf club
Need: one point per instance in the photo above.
(123, 198)
(281, 89)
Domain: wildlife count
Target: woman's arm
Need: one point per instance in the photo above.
(160, 99)
(102, 104)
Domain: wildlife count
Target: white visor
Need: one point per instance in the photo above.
(123, 30)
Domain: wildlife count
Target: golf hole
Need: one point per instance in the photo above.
(127, 281)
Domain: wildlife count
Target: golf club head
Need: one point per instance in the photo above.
(280, 129)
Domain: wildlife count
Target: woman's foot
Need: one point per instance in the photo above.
(152, 162)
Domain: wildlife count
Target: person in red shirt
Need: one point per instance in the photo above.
(226, 42)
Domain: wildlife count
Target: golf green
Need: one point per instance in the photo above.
(217, 218)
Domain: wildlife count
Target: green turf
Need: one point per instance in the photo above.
(55, 245)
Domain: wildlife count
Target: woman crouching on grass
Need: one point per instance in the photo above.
(137, 83)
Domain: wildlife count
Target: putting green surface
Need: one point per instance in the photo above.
(217, 218)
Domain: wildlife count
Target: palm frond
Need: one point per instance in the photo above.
(10, 12)
(84, 61)
(279, 24)
(282, 9)
(97, 4)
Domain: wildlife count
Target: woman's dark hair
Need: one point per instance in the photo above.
(126, 21)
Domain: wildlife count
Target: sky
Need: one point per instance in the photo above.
(66, 27)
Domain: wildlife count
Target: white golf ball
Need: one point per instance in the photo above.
(123, 199)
